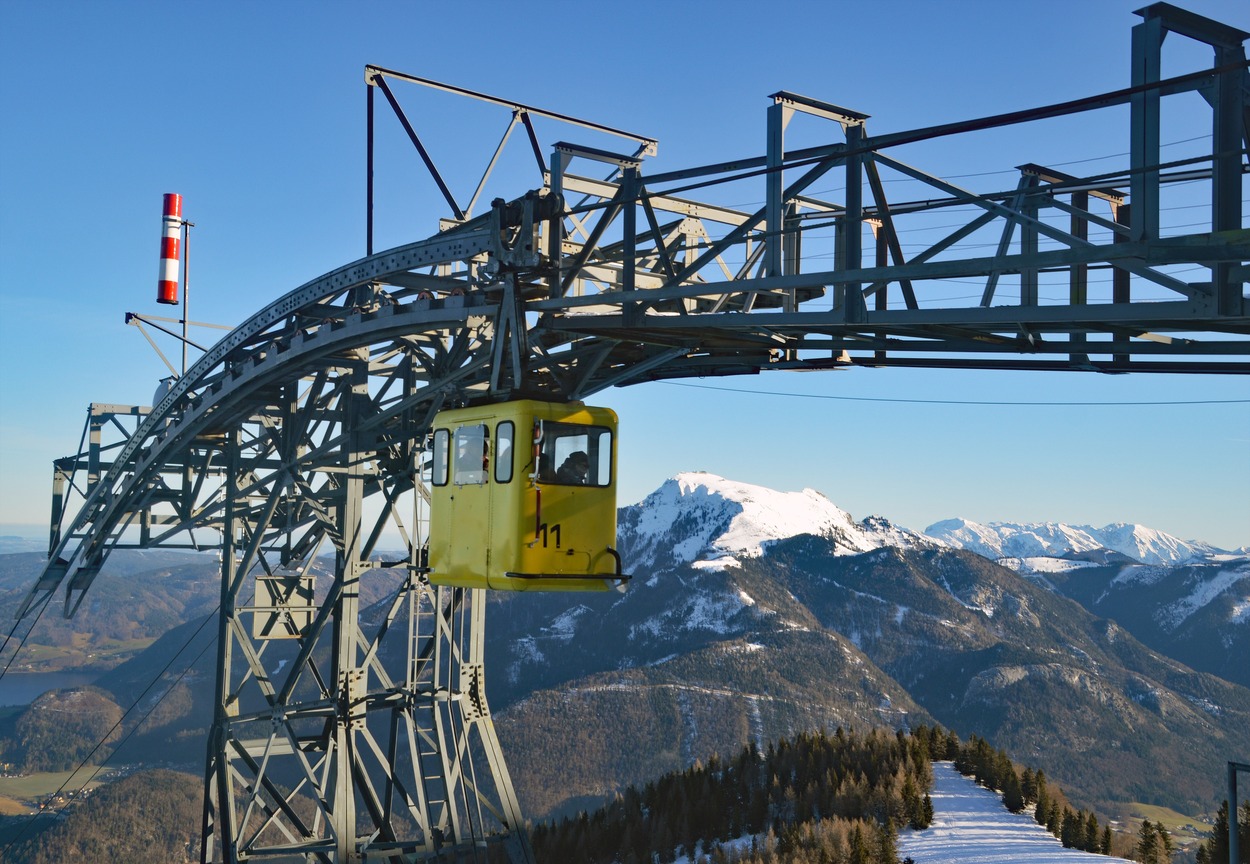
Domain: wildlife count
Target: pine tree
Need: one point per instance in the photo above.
(1219, 836)
(1013, 795)
(1080, 834)
(1105, 847)
(1147, 850)
(1028, 785)
(1042, 813)
(1165, 843)
(1216, 845)
(911, 804)
(952, 745)
(859, 849)
(1243, 832)
(757, 810)
(1004, 773)
(928, 810)
(1069, 832)
(887, 845)
(1091, 833)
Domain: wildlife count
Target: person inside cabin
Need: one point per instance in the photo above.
(546, 474)
(575, 470)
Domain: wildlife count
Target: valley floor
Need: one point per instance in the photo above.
(971, 826)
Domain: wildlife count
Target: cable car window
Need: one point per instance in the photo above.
(438, 467)
(472, 455)
(572, 454)
(602, 449)
(504, 434)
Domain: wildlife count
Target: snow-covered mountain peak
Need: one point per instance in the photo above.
(1153, 547)
(705, 518)
(1055, 539)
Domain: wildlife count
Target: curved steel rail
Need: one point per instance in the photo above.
(281, 342)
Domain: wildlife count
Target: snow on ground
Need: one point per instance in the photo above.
(564, 627)
(1241, 612)
(1029, 566)
(1143, 574)
(1203, 593)
(971, 826)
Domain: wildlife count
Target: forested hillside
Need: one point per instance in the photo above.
(139, 595)
(832, 798)
(152, 817)
(60, 730)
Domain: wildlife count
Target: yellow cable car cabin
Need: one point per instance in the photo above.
(523, 498)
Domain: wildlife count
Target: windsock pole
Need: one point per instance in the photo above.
(186, 289)
(175, 246)
(167, 284)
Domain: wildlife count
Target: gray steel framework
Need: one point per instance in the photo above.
(349, 734)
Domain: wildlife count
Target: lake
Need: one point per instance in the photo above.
(22, 688)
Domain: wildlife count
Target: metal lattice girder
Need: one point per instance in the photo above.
(330, 742)
(338, 760)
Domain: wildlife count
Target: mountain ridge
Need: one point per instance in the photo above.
(1058, 539)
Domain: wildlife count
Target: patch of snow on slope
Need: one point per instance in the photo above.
(1241, 612)
(564, 627)
(971, 826)
(1203, 593)
(1029, 566)
(524, 650)
(1142, 575)
(717, 565)
(710, 613)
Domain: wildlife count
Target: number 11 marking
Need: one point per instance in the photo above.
(554, 531)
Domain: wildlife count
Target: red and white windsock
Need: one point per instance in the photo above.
(167, 286)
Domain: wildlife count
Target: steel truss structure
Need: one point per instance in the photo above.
(348, 731)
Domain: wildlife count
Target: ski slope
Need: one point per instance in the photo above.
(971, 826)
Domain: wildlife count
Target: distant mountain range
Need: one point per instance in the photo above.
(1057, 540)
(1107, 657)
(1186, 599)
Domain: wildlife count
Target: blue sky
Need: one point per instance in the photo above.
(255, 114)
